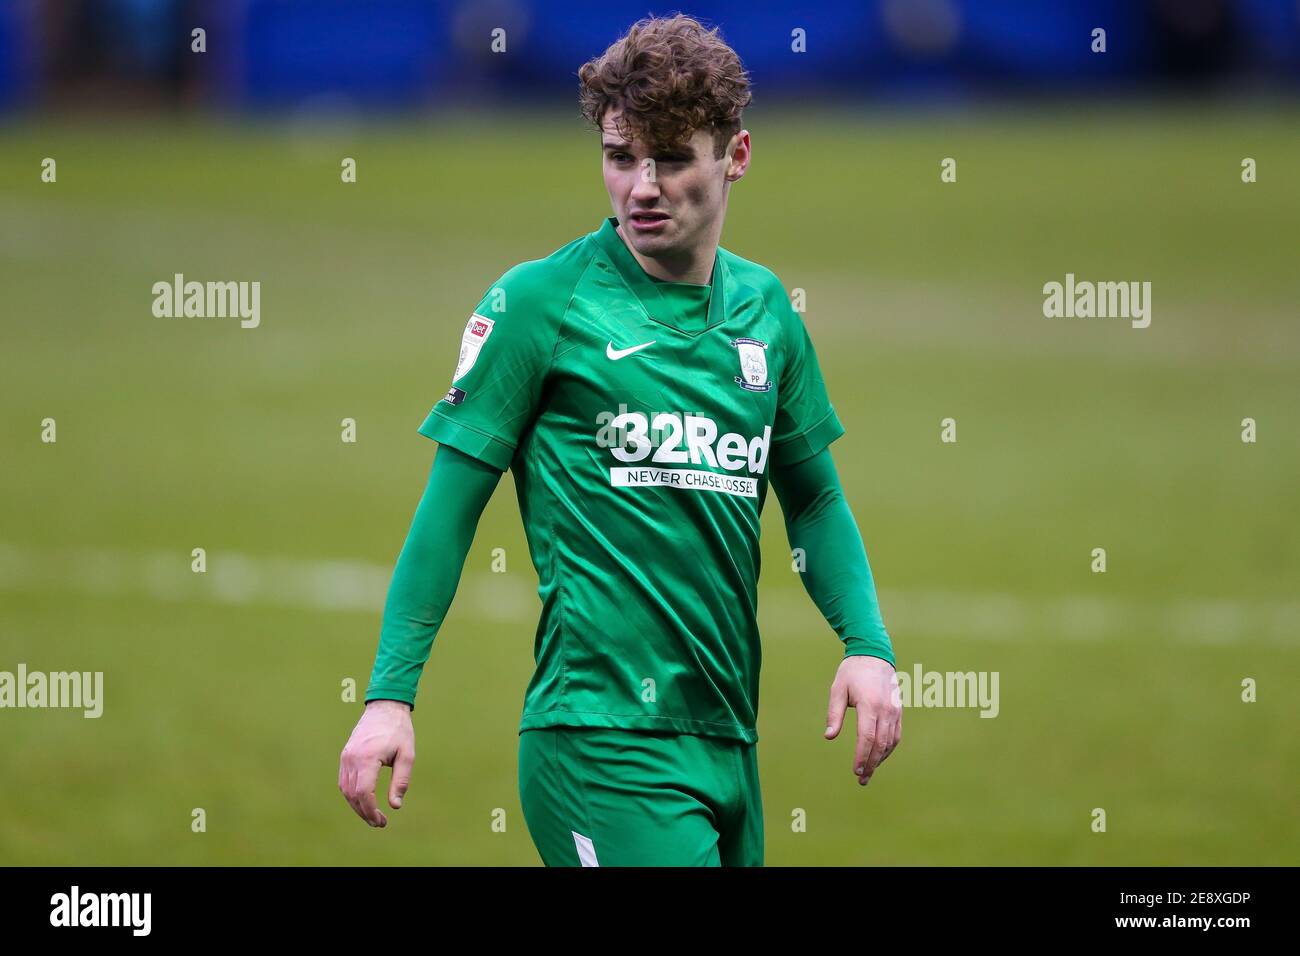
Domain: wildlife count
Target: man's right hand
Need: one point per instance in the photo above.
(383, 737)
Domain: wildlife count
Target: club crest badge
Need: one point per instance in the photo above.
(477, 330)
(753, 364)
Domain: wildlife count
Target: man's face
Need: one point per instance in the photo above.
(669, 201)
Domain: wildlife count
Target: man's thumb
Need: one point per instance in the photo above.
(835, 713)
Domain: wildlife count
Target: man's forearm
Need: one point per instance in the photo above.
(428, 571)
(836, 572)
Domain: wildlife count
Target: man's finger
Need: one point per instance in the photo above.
(867, 737)
(879, 748)
(890, 740)
(897, 736)
(401, 778)
(345, 779)
(835, 712)
(367, 779)
(350, 791)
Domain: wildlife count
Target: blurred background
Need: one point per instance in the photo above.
(219, 155)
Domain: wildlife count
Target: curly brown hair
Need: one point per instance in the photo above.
(671, 76)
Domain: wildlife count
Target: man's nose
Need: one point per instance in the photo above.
(646, 187)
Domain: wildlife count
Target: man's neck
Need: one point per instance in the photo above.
(695, 267)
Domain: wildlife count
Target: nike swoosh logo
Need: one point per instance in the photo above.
(614, 354)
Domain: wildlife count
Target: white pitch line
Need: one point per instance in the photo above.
(785, 612)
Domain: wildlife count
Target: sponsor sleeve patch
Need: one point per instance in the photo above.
(477, 330)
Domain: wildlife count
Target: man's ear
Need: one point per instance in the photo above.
(737, 164)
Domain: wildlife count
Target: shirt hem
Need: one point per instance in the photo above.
(792, 449)
(869, 647)
(467, 440)
(390, 692)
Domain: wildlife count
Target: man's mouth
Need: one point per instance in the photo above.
(648, 221)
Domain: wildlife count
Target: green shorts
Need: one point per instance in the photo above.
(605, 797)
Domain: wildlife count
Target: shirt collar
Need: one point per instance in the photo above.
(656, 305)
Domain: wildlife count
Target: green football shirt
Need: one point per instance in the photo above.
(641, 425)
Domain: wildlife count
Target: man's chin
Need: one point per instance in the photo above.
(651, 244)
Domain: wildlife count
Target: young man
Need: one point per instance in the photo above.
(644, 385)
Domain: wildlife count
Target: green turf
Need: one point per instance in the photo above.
(924, 300)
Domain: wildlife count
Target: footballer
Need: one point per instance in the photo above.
(644, 385)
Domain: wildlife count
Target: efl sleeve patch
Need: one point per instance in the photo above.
(477, 330)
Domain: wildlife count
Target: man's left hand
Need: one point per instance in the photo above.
(870, 686)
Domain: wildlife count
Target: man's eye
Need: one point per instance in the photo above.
(620, 157)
